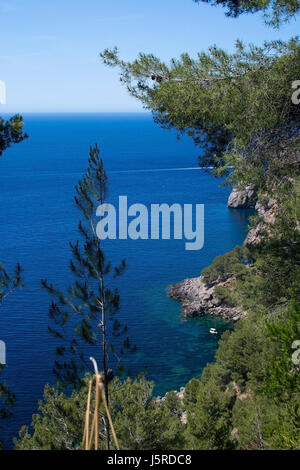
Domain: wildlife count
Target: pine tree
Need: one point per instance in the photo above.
(283, 379)
(140, 422)
(90, 303)
(237, 107)
(11, 132)
(275, 12)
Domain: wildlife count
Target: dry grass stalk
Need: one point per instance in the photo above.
(91, 434)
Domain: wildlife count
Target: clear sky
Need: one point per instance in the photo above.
(49, 48)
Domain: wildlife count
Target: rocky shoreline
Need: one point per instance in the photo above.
(198, 299)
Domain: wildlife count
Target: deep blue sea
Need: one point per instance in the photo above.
(38, 219)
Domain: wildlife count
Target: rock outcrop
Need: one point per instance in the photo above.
(198, 299)
(180, 395)
(267, 215)
(242, 199)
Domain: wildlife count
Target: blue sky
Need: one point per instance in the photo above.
(49, 55)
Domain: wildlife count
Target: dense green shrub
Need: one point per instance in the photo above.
(225, 266)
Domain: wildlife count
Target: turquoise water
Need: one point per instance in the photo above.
(38, 219)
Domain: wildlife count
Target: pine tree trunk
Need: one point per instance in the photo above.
(104, 359)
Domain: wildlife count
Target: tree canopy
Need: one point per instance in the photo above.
(139, 421)
(237, 107)
(275, 11)
(11, 132)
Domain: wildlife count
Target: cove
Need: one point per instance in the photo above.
(38, 218)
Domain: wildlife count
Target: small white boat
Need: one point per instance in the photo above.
(213, 331)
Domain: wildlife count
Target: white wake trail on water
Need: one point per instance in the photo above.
(146, 170)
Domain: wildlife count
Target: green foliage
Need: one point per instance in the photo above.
(8, 283)
(243, 355)
(261, 425)
(11, 132)
(245, 400)
(270, 416)
(225, 295)
(59, 426)
(143, 424)
(225, 266)
(174, 404)
(283, 379)
(267, 274)
(209, 421)
(140, 423)
(237, 107)
(190, 394)
(275, 12)
(274, 277)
